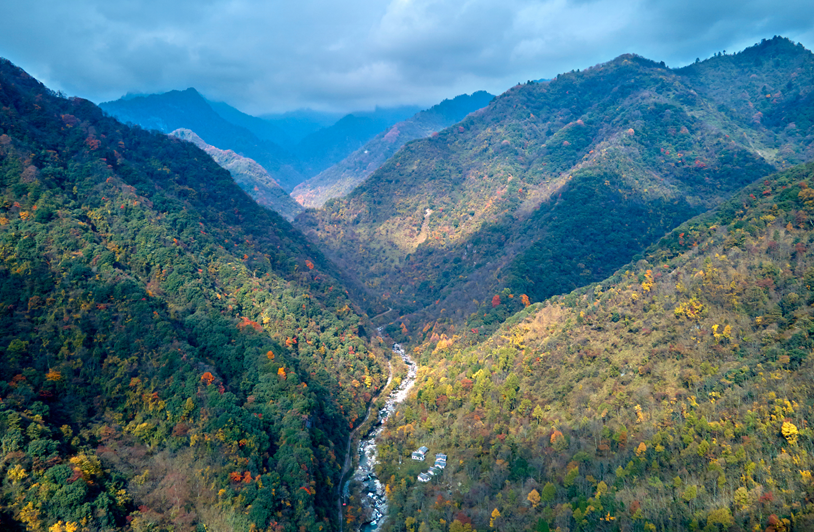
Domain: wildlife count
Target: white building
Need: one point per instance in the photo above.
(420, 454)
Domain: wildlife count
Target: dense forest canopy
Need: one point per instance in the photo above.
(174, 354)
(556, 184)
(674, 395)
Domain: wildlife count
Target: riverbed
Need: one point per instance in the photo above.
(374, 497)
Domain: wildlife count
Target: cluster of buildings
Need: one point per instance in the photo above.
(440, 463)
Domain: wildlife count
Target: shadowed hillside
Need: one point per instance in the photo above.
(554, 185)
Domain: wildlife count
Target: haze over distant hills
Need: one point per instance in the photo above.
(344, 176)
(301, 122)
(324, 147)
(263, 129)
(188, 109)
(291, 147)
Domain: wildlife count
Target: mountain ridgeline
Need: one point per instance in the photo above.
(340, 179)
(291, 147)
(189, 110)
(555, 185)
(174, 356)
(324, 147)
(249, 175)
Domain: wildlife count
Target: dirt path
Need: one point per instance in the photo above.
(422, 236)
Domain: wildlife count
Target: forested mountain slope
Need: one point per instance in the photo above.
(554, 185)
(249, 175)
(188, 109)
(175, 357)
(674, 395)
(344, 176)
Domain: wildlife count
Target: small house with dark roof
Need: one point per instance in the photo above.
(420, 454)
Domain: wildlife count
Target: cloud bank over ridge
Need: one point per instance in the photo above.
(275, 56)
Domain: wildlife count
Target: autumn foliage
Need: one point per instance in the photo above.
(246, 322)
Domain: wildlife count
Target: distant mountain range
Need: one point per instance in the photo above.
(291, 147)
(344, 176)
(300, 123)
(187, 109)
(325, 147)
(263, 129)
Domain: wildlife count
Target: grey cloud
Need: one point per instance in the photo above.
(269, 56)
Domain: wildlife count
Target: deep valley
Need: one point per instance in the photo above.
(585, 304)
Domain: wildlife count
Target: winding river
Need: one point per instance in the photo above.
(374, 497)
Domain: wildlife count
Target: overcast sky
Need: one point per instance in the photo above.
(268, 56)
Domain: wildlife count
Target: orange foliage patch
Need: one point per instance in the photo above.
(249, 323)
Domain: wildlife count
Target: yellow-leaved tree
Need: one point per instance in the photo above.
(789, 431)
(495, 515)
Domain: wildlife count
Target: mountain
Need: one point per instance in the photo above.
(188, 109)
(262, 129)
(300, 123)
(327, 146)
(341, 178)
(606, 281)
(313, 141)
(673, 395)
(175, 357)
(555, 185)
(249, 175)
